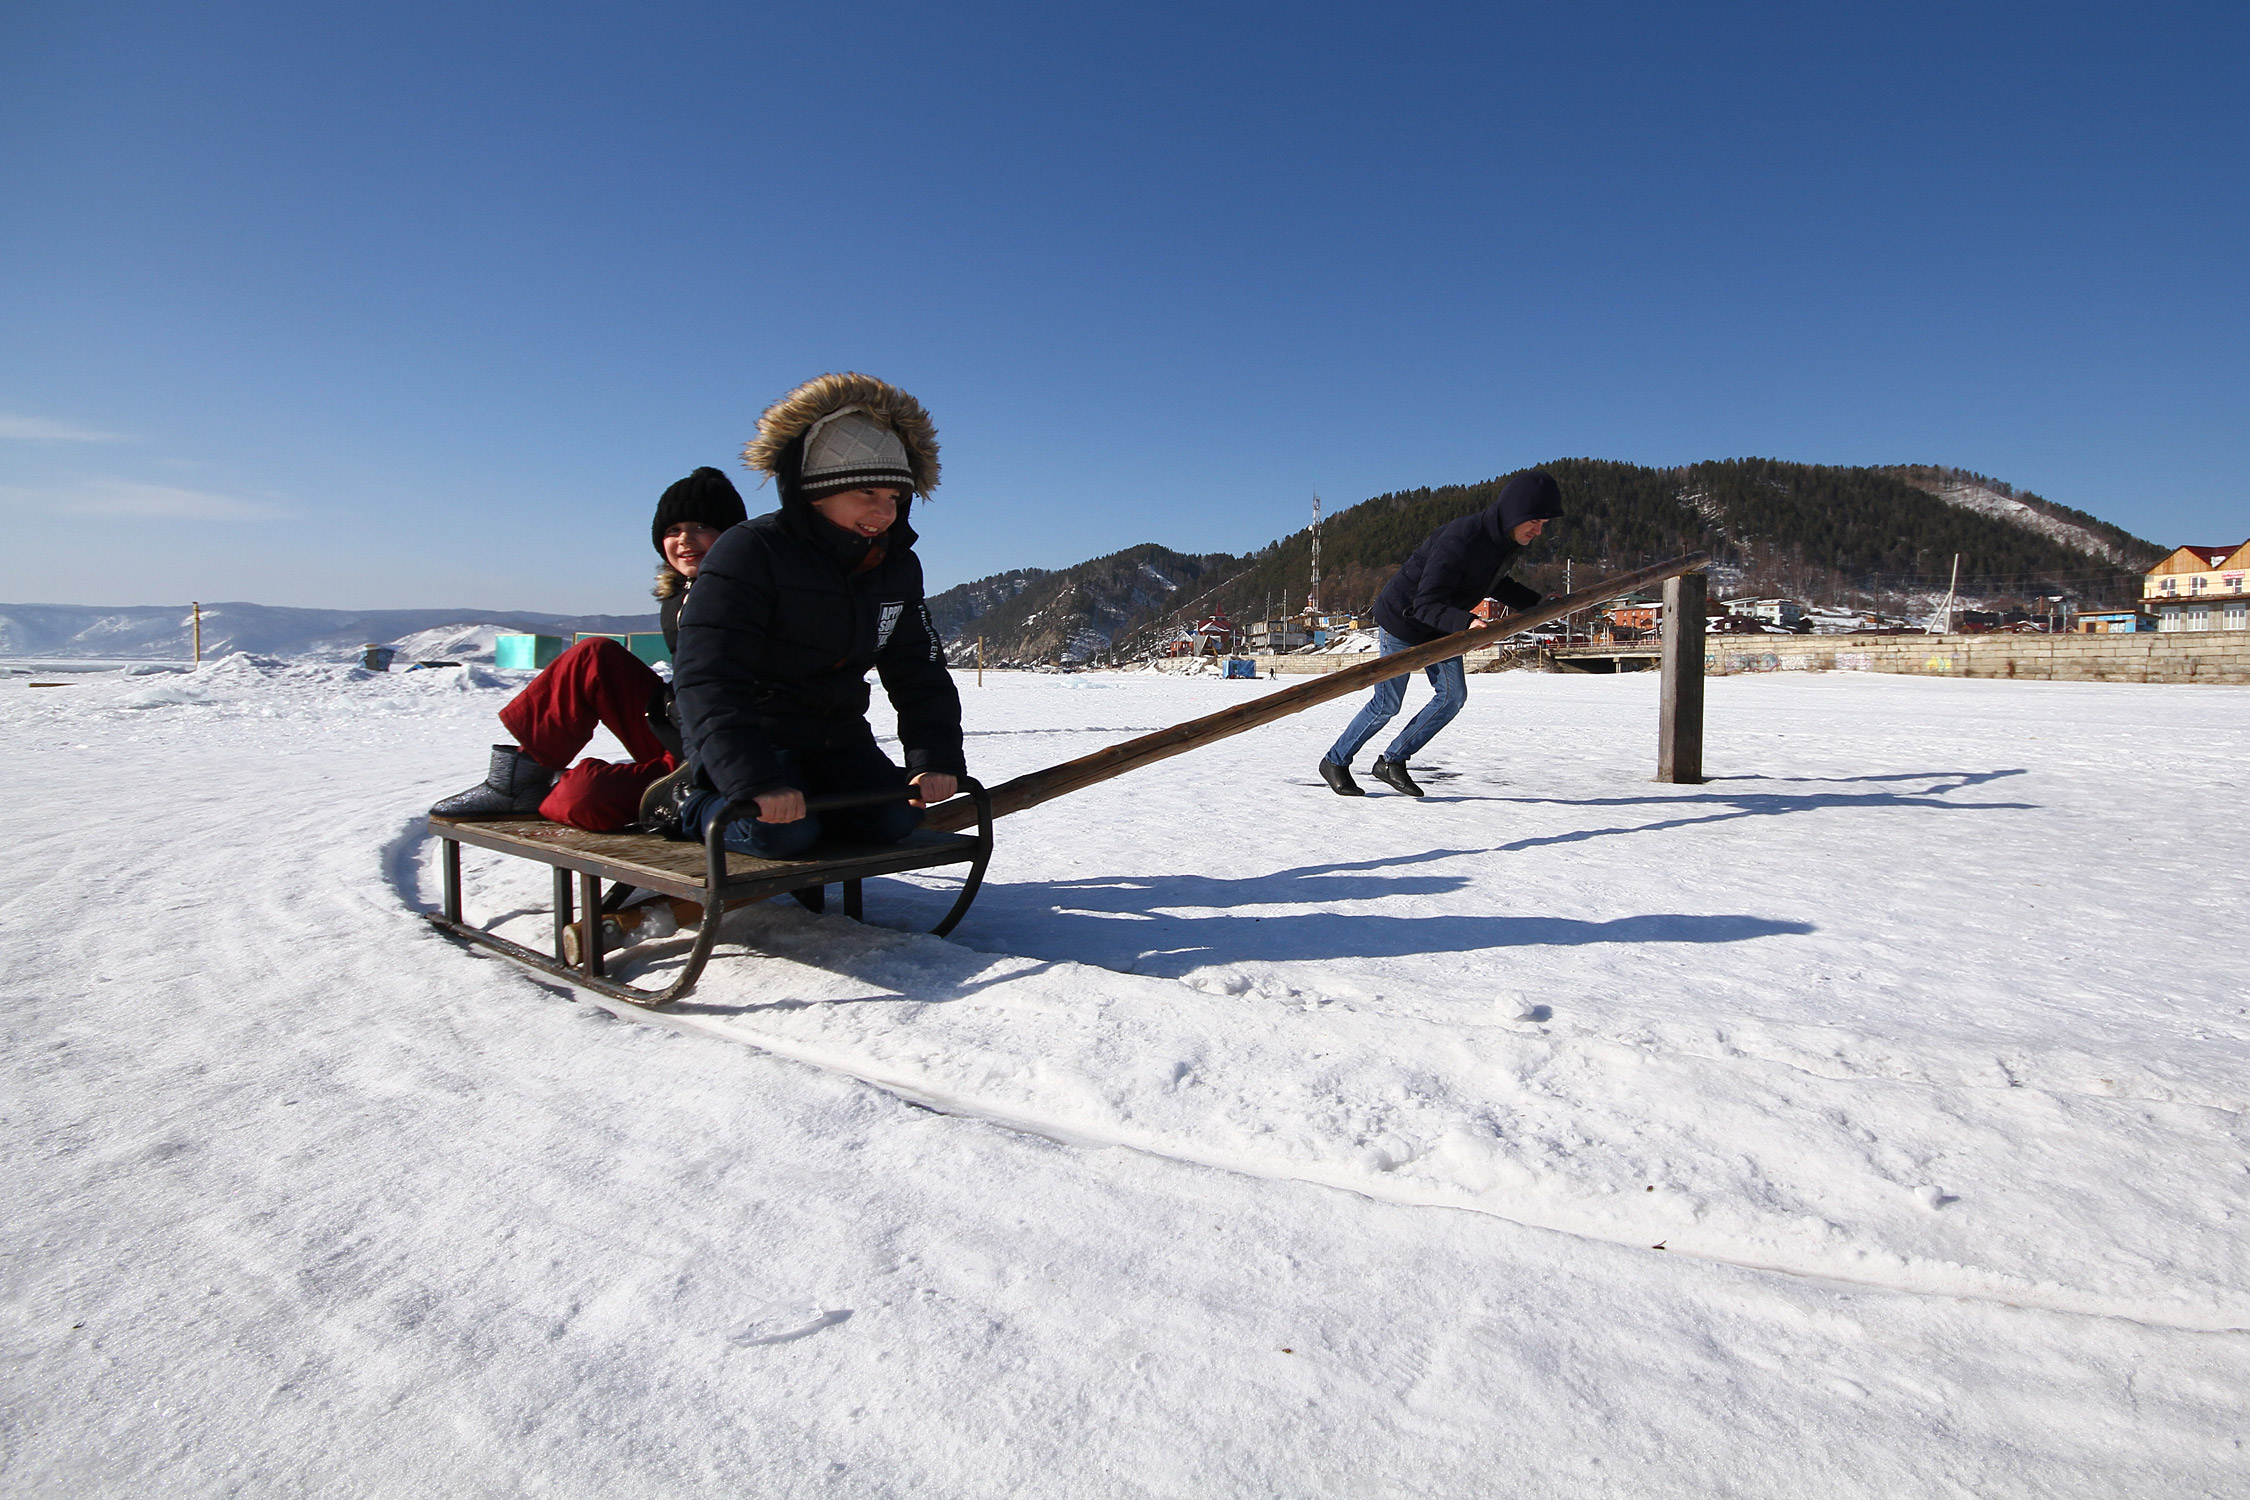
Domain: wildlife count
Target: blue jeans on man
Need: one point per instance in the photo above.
(1449, 678)
(853, 769)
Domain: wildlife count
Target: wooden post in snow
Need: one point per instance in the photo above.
(1074, 775)
(1679, 734)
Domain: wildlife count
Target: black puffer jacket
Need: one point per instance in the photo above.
(663, 718)
(1465, 562)
(775, 641)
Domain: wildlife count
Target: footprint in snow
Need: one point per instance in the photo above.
(784, 1323)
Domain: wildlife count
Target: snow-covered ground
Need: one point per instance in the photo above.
(1869, 1121)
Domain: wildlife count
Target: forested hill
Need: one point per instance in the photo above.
(1866, 536)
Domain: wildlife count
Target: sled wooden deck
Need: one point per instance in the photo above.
(709, 874)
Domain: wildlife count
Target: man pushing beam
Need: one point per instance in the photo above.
(1449, 585)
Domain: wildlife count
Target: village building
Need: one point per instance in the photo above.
(1783, 612)
(1214, 635)
(1635, 614)
(1272, 636)
(2200, 588)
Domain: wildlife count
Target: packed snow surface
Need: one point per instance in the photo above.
(1868, 1121)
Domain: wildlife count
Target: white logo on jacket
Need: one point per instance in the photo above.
(887, 623)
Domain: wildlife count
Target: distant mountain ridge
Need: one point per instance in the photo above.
(165, 632)
(1865, 537)
(1036, 615)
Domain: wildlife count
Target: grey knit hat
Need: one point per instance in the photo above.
(851, 449)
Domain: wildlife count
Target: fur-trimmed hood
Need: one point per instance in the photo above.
(778, 449)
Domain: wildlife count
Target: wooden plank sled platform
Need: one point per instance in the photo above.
(711, 875)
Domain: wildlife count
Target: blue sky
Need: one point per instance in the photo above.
(423, 306)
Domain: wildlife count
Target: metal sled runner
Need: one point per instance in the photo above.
(713, 877)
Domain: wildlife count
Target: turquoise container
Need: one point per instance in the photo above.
(528, 653)
(648, 645)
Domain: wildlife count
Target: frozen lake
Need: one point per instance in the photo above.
(1868, 1121)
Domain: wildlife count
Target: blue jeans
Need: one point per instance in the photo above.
(849, 771)
(1449, 678)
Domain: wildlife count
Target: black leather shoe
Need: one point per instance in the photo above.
(1392, 773)
(1339, 779)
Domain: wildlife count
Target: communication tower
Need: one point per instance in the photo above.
(1312, 601)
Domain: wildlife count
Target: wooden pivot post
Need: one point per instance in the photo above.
(1073, 775)
(1679, 734)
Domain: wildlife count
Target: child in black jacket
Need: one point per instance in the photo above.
(789, 612)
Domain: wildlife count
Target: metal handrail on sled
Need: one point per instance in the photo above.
(642, 861)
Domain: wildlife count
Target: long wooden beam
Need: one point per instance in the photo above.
(1035, 787)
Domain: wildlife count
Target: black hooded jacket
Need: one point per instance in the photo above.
(1465, 562)
(663, 717)
(775, 641)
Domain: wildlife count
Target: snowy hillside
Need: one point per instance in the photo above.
(166, 632)
(1870, 1121)
(1986, 501)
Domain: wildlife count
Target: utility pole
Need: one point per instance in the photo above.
(980, 661)
(198, 606)
(1312, 603)
(1943, 620)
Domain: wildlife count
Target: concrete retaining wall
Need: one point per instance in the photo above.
(2218, 656)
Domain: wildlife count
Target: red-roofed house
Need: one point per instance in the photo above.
(2200, 588)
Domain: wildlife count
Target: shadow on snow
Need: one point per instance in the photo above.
(1147, 924)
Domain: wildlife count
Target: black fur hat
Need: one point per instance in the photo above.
(707, 496)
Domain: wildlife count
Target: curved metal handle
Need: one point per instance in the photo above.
(975, 878)
(714, 831)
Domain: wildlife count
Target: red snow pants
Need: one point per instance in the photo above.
(596, 682)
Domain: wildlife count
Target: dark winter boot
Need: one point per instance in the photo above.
(1339, 779)
(661, 804)
(515, 785)
(1392, 773)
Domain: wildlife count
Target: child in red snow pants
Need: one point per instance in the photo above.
(594, 683)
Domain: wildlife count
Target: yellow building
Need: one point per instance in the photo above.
(2200, 588)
